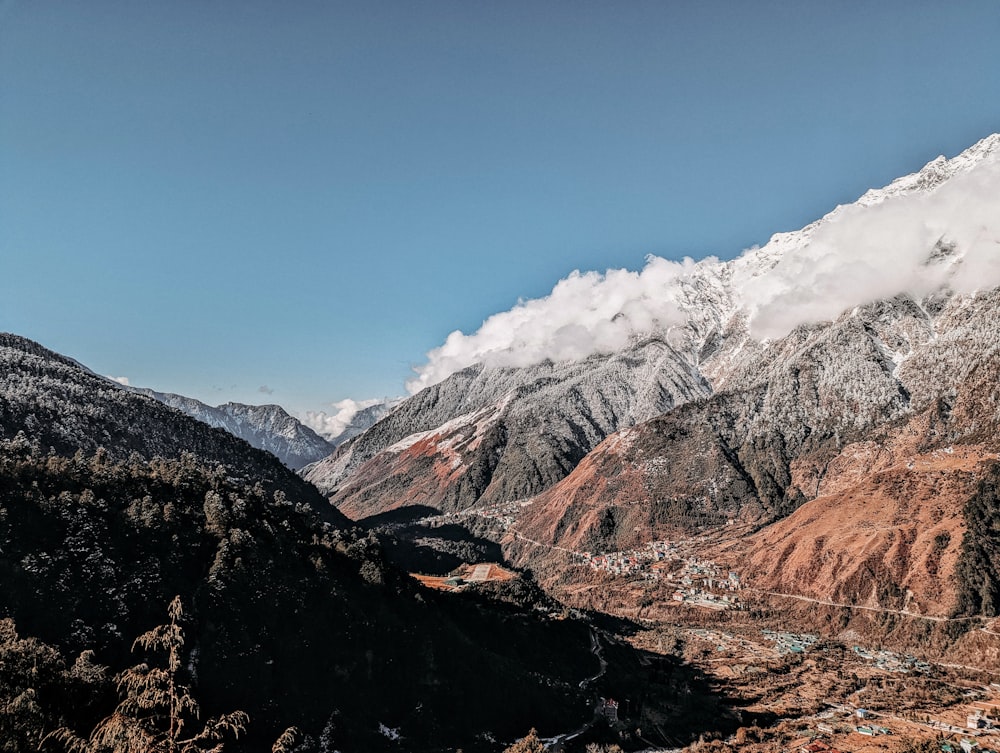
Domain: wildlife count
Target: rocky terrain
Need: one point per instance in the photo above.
(490, 434)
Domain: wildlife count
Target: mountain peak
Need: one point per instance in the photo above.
(936, 172)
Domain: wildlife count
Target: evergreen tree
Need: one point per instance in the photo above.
(156, 710)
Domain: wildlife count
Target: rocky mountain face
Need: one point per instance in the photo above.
(266, 427)
(111, 504)
(736, 407)
(494, 434)
(871, 434)
(755, 451)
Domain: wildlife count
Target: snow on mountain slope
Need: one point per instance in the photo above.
(604, 352)
(855, 448)
(757, 449)
(876, 248)
(543, 420)
(266, 427)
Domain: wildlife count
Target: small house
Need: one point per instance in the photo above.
(611, 710)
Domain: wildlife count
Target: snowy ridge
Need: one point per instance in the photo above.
(887, 234)
(527, 425)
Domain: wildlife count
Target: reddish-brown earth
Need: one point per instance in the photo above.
(435, 468)
(879, 536)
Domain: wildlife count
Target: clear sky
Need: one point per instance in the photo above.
(213, 197)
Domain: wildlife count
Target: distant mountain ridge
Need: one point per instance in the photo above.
(266, 427)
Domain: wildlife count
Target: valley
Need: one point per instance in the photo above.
(839, 686)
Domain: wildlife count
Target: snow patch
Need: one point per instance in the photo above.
(391, 732)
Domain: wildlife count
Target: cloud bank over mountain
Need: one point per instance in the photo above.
(587, 312)
(938, 227)
(349, 417)
(915, 243)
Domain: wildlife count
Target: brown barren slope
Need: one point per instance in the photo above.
(882, 538)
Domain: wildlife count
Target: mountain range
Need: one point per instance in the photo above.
(744, 392)
(266, 427)
(112, 504)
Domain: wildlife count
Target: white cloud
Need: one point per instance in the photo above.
(121, 380)
(585, 313)
(265, 390)
(332, 425)
(864, 254)
(856, 255)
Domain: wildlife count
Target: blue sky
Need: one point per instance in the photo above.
(213, 197)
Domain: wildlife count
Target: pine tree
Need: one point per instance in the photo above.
(156, 708)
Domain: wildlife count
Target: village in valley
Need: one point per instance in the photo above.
(697, 582)
(833, 697)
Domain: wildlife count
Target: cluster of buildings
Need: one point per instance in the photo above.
(872, 730)
(790, 643)
(965, 745)
(703, 583)
(982, 716)
(502, 514)
(699, 582)
(890, 662)
(635, 561)
(829, 728)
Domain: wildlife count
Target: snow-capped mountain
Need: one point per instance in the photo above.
(538, 387)
(497, 433)
(266, 427)
(872, 249)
